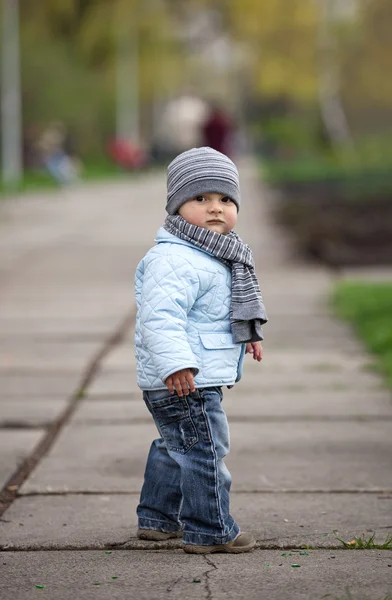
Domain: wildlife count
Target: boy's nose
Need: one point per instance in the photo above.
(215, 207)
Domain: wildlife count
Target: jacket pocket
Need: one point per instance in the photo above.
(217, 341)
(173, 418)
(219, 358)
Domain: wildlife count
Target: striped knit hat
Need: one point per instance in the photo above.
(198, 171)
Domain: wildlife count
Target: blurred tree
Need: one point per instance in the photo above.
(294, 53)
(69, 61)
(282, 45)
(366, 57)
(273, 47)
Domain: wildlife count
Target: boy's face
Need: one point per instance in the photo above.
(212, 211)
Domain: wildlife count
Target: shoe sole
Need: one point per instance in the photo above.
(224, 549)
(157, 536)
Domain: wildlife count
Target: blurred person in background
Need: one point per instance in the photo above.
(126, 155)
(55, 149)
(179, 126)
(217, 131)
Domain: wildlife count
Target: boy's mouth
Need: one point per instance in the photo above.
(215, 221)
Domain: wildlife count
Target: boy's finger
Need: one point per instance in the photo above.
(169, 385)
(191, 382)
(184, 385)
(177, 385)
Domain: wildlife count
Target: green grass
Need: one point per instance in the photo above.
(92, 170)
(32, 181)
(368, 306)
(353, 180)
(357, 169)
(361, 543)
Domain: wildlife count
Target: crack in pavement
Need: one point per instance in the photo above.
(207, 576)
(10, 490)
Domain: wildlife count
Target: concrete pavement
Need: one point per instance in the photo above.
(311, 449)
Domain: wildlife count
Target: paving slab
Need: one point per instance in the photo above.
(39, 384)
(281, 456)
(338, 575)
(113, 382)
(77, 306)
(309, 404)
(133, 395)
(97, 457)
(121, 358)
(15, 446)
(311, 360)
(158, 575)
(265, 381)
(29, 411)
(45, 356)
(65, 328)
(311, 455)
(111, 411)
(284, 331)
(276, 520)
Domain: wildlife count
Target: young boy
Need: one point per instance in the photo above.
(199, 311)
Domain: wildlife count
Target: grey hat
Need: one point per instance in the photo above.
(198, 171)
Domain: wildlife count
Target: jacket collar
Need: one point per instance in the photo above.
(164, 236)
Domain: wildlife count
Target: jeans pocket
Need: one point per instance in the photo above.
(173, 417)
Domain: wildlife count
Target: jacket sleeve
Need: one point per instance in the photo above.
(170, 288)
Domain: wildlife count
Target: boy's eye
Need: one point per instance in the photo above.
(226, 200)
(200, 198)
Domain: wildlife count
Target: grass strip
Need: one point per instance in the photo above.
(368, 307)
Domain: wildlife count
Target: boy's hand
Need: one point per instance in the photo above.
(256, 349)
(182, 381)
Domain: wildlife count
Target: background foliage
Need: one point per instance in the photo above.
(275, 61)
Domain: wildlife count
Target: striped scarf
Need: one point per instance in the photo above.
(247, 312)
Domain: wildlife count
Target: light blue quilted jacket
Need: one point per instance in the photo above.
(183, 299)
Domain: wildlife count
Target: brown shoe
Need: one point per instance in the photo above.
(244, 542)
(157, 536)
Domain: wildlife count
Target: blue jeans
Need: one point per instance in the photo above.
(186, 483)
